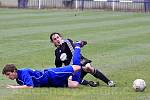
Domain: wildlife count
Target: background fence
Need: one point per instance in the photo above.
(115, 5)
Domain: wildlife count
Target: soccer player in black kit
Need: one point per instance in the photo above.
(63, 55)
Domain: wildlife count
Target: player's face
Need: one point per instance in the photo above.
(57, 40)
(11, 75)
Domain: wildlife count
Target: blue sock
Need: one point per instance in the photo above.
(76, 56)
(76, 76)
(78, 44)
(76, 61)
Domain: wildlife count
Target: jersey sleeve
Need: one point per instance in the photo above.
(27, 79)
(58, 62)
(69, 49)
(72, 43)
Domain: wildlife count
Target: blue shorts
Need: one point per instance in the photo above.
(58, 77)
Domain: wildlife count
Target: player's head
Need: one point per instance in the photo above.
(10, 71)
(56, 38)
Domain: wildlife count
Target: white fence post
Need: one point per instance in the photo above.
(76, 4)
(39, 4)
(113, 5)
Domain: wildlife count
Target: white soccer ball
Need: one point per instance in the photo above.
(139, 85)
(63, 57)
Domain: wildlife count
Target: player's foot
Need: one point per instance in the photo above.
(93, 84)
(80, 43)
(111, 84)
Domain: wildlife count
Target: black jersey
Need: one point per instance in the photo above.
(67, 47)
(63, 49)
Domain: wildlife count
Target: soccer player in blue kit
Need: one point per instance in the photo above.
(67, 76)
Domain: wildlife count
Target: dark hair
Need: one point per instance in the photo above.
(54, 34)
(9, 68)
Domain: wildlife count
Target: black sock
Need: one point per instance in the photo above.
(101, 76)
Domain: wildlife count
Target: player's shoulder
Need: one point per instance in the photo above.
(68, 40)
(24, 70)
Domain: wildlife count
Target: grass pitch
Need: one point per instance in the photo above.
(118, 44)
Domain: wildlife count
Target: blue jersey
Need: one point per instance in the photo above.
(52, 77)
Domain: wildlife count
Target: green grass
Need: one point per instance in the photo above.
(118, 44)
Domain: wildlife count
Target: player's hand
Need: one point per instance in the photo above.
(63, 57)
(18, 86)
(10, 86)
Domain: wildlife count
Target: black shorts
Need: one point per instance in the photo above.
(84, 61)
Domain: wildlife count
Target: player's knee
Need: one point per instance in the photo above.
(73, 84)
(88, 65)
(88, 68)
(76, 67)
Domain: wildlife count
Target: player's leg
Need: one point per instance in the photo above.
(72, 84)
(98, 74)
(77, 52)
(78, 76)
(76, 60)
(87, 82)
(83, 62)
(62, 73)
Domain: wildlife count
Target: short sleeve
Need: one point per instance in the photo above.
(27, 79)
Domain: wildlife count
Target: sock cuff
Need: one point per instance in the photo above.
(94, 71)
(78, 47)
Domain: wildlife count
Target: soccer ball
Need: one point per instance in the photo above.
(139, 85)
(63, 56)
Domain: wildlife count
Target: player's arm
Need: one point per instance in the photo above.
(71, 41)
(58, 62)
(26, 81)
(68, 49)
(19, 86)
